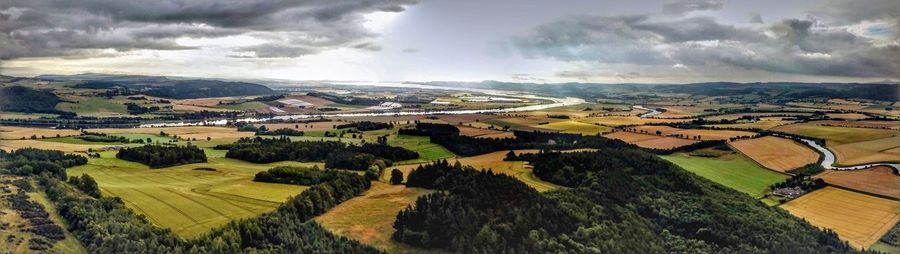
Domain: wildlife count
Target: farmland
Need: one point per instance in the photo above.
(789, 155)
(763, 123)
(422, 145)
(691, 133)
(879, 180)
(10, 132)
(858, 218)
(731, 170)
(575, 127)
(370, 218)
(186, 200)
(650, 141)
(835, 135)
(879, 150)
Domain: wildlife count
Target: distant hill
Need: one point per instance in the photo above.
(168, 87)
(875, 91)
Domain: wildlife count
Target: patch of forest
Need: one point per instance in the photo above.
(335, 154)
(160, 156)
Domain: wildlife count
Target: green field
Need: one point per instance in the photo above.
(93, 106)
(427, 151)
(17, 115)
(733, 170)
(188, 201)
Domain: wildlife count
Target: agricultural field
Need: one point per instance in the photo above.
(691, 133)
(479, 132)
(835, 135)
(879, 150)
(9, 145)
(764, 123)
(861, 124)
(369, 218)
(94, 106)
(615, 121)
(776, 153)
(187, 200)
(760, 115)
(572, 126)
(650, 141)
(732, 170)
(847, 116)
(17, 115)
(420, 144)
(858, 218)
(11, 132)
(189, 132)
(880, 180)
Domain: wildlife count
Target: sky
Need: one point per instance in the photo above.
(676, 41)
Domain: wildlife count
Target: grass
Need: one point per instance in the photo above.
(422, 145)
(71, 243)
(188, 201)
(93, 106)
(858, 218)
(370, 217)
(734, 171)
(17, 115)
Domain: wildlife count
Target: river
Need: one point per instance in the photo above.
(556, 102)
(828, 161)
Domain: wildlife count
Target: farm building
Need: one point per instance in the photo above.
(296, 103)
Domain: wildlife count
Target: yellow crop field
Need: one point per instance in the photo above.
(189, 132)
(879, 180)
(690, 133)
(369, 218)
(575, 127)
(879, 150)
(835, 135)
(788, 155)
(857, 218)
(650, 141)
(10, 132)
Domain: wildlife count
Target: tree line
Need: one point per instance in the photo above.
(106, 225)
(365, 125)
(296, 175)
(33, 161)
(160, 156)
(335, 154)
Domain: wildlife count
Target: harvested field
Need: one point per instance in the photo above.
(847, 116)
(627, 120)
(10, 132)
(879, 180)
(572, 126)
(837, 135)
(862, 124)
(763, 123)
(369, 218)
(690, 133)
(188, 201)
(9, 145)
(737, 116)
(731, 170)
(858, 218)
(477, 132)
(650, 141)
(776, 153)
(468, 118)
(185, 107)
(879, 150)
(190, 132)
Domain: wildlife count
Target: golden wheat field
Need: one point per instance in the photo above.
(857, 218)
(776, 153)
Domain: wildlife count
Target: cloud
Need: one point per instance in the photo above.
(755, 17)
(292, 28)
(410, 50)
(680, 7)
(794, 46)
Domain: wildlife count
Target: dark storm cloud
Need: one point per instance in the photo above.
(797, 46)
(62, 27)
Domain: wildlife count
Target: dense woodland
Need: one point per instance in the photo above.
(31, 161)
(160, 156)
(27, 100)
(365, 125)
(295, 175)
(335, 154)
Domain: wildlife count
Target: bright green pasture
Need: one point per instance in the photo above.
(420, 144)
(734, 171)
(189, 201)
